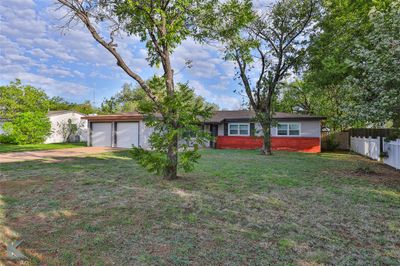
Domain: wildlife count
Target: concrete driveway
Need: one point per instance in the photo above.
(10, 157)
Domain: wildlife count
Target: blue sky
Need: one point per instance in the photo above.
(72, 65)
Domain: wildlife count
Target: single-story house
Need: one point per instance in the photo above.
(230, 129)
(57, 119)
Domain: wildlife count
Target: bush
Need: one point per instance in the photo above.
(28, 128)
(331, 144)
(5, 139)
(363, 168)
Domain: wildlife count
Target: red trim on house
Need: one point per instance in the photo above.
(303, 144)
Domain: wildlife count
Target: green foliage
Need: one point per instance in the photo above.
(68, 129)
(178, 19)
(189, 111)
(57, 103)
(333, 58)
(28, 128)
(16, 98)
(306, 97)
(5, 139)
(331, 144)
(375, 81)
(363, 168)
(124, 101)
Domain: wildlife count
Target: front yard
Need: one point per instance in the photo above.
(236, 208)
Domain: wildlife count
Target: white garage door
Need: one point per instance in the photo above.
(101, 134)
(127, 134)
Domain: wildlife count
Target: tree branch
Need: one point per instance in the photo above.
(80, 12)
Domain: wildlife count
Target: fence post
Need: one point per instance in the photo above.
(397, 162)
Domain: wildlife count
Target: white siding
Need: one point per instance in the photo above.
(1, 128)
(55, 120)
(144, 134)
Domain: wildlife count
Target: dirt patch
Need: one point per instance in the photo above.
(53, 155)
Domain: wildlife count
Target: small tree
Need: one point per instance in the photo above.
(28, 128)
(192, 112)
(68, 129)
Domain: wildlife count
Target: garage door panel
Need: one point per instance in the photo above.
(127, 134)
(101, 134)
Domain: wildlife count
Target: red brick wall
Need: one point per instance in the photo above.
(278, 143)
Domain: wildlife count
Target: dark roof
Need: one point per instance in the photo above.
(61, 112)
(220, 116)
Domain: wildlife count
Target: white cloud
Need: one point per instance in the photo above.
(223, 101)
(51, 86)
(34, 49)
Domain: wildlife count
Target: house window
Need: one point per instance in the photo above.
(289, 129)
(237, 129)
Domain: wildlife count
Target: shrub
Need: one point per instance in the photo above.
(363, 168)
(28, 128)
(331, 144)
(5, 139)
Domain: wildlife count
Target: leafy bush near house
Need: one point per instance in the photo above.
(5, 139)
(331, 144)
(68, 129)
(28, 128)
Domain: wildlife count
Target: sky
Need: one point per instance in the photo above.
(72, 65)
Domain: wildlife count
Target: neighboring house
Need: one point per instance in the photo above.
(231, 130)
(60, 118)
(57, 118)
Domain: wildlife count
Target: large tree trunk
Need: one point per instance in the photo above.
(171, 171)
(265, 123)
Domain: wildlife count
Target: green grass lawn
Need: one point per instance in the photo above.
(236, 208)
(38, 147)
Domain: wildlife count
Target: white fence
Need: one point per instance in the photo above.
(365, 146)
(371, 148)
(393, 151)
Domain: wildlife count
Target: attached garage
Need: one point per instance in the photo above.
(121, 131)
(127, 134)
(101, 134)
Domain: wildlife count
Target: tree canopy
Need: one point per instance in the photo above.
(16, 98)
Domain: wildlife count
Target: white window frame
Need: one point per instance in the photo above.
(288, 129)
(238, 124)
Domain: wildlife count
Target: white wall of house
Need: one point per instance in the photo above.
(144, 135)
(56, 119)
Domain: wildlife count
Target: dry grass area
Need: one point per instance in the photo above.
(236, 208)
